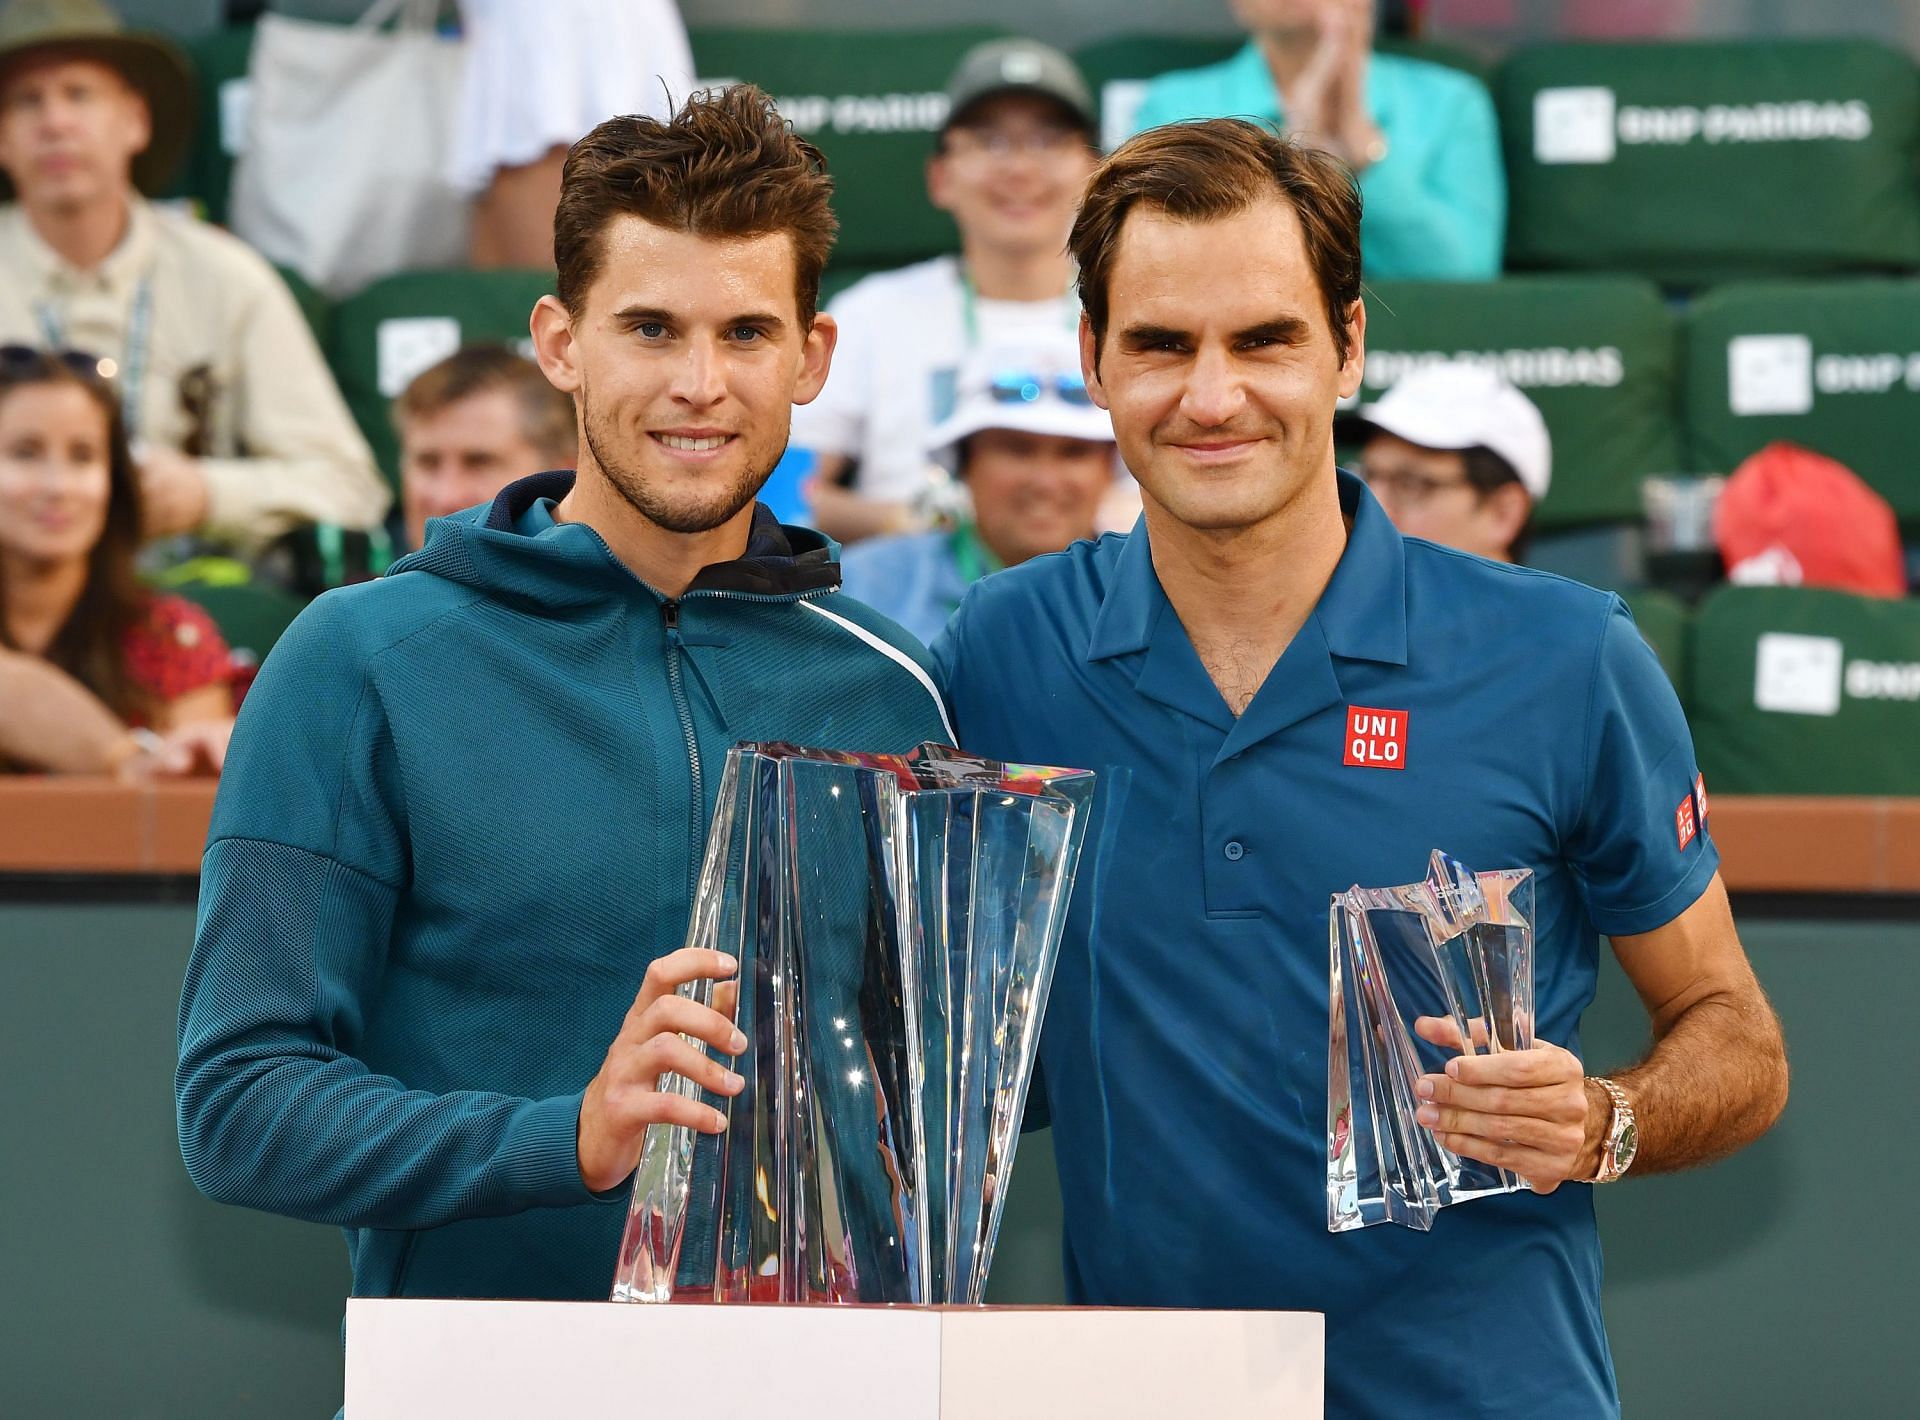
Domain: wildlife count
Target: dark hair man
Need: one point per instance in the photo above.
(465, 804)
(471, 425)
(1458, 455)
(1209, 667)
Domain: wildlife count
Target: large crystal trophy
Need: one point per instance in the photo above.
(1457, 945)
(896, 920)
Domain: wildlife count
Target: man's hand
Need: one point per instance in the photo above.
(625, 1097)
(173, 492)
(1524, 1110)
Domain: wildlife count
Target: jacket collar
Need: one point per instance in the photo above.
(779, 560)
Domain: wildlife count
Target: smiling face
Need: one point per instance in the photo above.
(1011, 173)
(69, 131)
(462, 454)
(686, 360)
(1035, 493)
(55, 473)
(1218, 365)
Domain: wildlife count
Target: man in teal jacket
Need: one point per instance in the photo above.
(465, 805)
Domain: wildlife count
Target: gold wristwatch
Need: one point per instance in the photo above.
(1623, 1135)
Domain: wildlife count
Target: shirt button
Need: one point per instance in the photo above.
(1234, 851)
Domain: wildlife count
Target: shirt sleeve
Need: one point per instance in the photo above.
(1639, 846)
(1438, 200)
(305, 870)
(176, 649)
(302, 459)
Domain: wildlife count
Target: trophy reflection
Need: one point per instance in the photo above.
(896, 920)
(1460, 945)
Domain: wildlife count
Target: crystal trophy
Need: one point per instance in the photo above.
(896, 920)
(1458, 945)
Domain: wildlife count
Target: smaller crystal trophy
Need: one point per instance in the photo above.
(1457, 945)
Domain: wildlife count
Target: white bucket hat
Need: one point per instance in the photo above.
(1034, 386)
(1459, 404)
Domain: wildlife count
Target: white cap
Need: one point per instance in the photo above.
(1019, 386)
(1459, 404)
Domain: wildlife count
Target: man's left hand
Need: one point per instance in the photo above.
(1521, 1110)
(173, 492)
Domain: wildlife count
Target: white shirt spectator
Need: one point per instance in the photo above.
(903, 337)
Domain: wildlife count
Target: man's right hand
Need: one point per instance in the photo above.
(625, 1097)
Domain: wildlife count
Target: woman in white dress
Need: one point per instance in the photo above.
(540, 74)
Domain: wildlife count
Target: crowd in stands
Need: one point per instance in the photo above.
(169, 421)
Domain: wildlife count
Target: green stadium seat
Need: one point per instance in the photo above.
(394, 329)
(1117, 70)
(872, 101)
(1834, 366)
(220, 65)
(1666, 625)
(313, 305)
(1693, 162)
(250, 616)
(1800, 691)
(1598, 354)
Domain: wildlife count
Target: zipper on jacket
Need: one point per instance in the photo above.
(677, 687)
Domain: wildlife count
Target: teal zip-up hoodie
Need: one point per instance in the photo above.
(462, 811)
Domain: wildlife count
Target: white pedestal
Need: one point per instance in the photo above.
(427, 1360)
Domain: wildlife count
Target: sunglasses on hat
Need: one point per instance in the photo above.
(1025, 387)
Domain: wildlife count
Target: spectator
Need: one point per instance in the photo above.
(536, 78)
(97, 675)
(239, 432)
(1037, 456)
(1458, 456)
(471, 425)
(1421, 137)
(1017, 147)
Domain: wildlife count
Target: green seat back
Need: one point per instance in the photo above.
(220, 65)
(1665, 623)
(397, 327)
(1598, 354)
(251, 617)
(313, 305)
(1117, 70)
(1703, 161)
(1799, 691)
(1834, 366)
(873, 101)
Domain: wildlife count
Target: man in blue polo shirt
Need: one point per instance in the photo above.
(1209, 667)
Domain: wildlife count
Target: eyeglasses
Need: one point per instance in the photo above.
(1000, 143)
(1405, 488)
(95, 369)
(1025, 387)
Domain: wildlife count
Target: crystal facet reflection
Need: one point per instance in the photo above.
(1460, 945)
(895, 918)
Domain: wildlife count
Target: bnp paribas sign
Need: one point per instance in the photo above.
(1809, 675)
(1783, 374)
(814, 114)
(1586, 124)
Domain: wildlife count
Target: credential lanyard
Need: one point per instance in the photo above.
(970, 313)
(133, 357)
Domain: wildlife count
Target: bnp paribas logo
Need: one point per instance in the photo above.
(1586, 123)
(1796, 674)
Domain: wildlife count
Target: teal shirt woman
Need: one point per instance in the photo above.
(1436, 196)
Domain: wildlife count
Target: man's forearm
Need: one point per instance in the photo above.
(1715, 1081)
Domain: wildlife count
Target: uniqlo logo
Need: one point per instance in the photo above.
(1376, 739)
(1683, 821)
(1700, 798)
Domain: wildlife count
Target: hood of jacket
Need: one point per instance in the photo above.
(569, 564)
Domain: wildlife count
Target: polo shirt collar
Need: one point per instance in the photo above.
(1362, 614)
(124, 266)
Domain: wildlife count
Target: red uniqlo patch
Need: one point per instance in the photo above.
(1376, 739)
(1700, 797)
(1683, 821)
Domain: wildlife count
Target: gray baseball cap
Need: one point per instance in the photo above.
(1019, 66)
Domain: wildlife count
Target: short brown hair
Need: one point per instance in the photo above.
(725, 165)
(546, 414)
(1198, 172)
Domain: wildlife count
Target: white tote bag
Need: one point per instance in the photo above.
(343, 176)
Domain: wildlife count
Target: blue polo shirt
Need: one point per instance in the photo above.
(1184, 1055)
(1435, 207)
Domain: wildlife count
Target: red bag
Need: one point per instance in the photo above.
(1791, 517)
